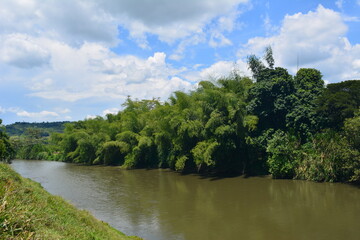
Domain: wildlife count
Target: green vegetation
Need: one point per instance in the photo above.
(32, 145)
(289, 126)
(27, 211)
(33, 141)
(45, 128)
(6, 149)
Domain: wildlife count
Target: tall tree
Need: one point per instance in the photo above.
(302, 118)
(338, 102)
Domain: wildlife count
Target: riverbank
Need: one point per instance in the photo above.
(27, 211)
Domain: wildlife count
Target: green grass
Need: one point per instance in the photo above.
(27, 211)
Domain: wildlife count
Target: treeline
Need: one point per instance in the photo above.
(45, 128)
(289, 126)
(32, 140)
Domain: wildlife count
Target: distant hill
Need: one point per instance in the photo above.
(18, 128)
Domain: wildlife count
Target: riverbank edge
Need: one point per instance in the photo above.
(28, 211)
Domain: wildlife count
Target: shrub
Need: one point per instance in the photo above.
(282, 149)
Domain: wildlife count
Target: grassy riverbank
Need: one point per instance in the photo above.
(27, 211)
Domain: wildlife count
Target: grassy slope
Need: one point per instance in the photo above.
(27, 211)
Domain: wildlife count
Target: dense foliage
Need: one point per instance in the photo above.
(45, 128)
(289, 126)
(33, 145)
(6, 150)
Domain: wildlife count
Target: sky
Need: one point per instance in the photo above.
(71, 60)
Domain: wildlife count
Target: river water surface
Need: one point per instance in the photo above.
(163, 205)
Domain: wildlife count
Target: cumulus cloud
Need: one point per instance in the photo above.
(22, 51)
(214, 33)
(71, 21)
(218, 70)
(70, 41)
(80, 21)
(110, 111)
(76, 22)
(93, 71)
(56, 114)
(90, 117)
(314, 39)
(170, 20)
(42, 114)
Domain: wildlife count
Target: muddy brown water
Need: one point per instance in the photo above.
(163, 205)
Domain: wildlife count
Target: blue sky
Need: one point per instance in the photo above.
(71, 60)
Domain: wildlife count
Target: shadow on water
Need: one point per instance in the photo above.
(214, 176)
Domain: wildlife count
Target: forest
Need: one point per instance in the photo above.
(45, 128)
(274, 123)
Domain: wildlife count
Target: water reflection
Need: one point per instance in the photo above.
(162, 205)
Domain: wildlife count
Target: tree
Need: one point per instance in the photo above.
(302, 118)
(256, 66)
(114, 152)
(338, 102)
(272, 98)
(328, 157)
(6, 149)
(282, 149)
(352, 130)
(269, 57)
(352, 134)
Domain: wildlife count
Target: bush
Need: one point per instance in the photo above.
(328, 157)
(282, 149)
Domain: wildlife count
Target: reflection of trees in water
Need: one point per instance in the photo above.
(160, 204)
(248, 208)
(307, 210)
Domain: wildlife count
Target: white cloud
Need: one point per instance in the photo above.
(170, 20)
(70, 42)
(110, 111)
(218, 70)
(41, 84)
(22, 51)
(93, 71)
(224, 24)
(73, 22)
(351, 18)
(179, 52)
(76, 22)
(219, 40)
(63, 110)
(269, 27)
(42, 114)
(339, 3)
(315, 39)
(79, 21)
(215, 33)
(90, 117)
(57, 114)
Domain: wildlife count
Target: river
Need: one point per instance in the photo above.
(163, 205)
